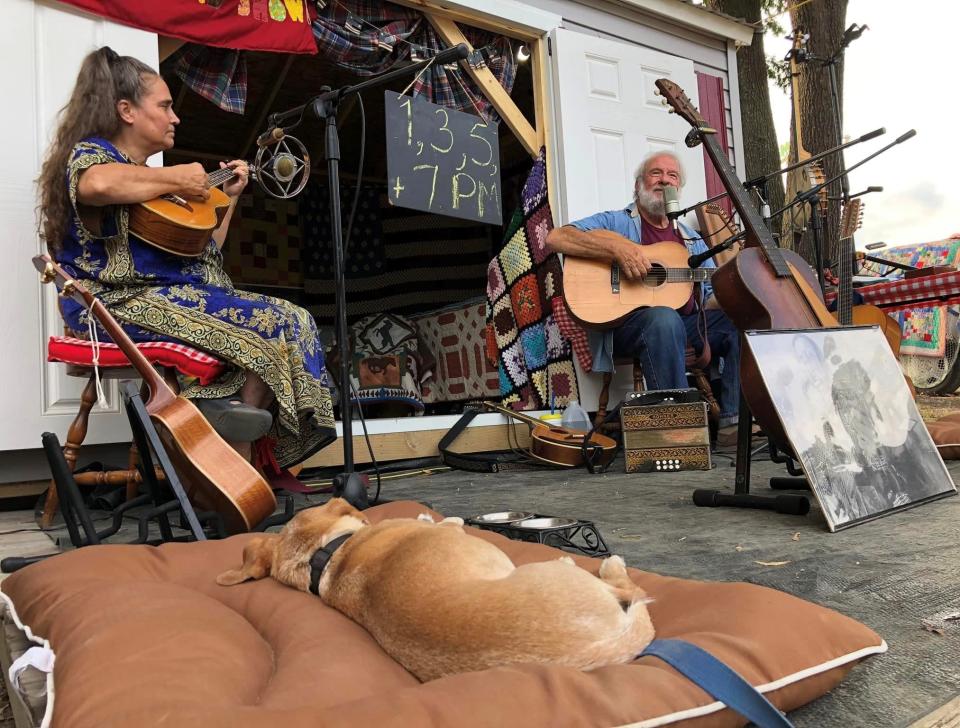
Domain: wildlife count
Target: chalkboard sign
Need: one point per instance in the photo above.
(441, 160)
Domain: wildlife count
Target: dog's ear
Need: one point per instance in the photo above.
(257, 560)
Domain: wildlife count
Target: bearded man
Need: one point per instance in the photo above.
(658, 336)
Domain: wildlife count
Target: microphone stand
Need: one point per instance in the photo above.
(760, 182)
(810, 196)
(349, 484)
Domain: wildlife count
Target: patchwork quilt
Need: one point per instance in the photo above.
(534, 359)
(924, 329)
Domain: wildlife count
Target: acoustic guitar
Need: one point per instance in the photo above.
(599, 297)
(764, 287)
(861, 314)
(179, 226)
(555, 445)
(214, 475)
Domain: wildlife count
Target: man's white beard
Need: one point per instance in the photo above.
(650, 202)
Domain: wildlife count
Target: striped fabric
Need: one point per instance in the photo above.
(399, 260)
(186, 360)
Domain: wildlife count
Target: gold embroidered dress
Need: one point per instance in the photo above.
(157, 296)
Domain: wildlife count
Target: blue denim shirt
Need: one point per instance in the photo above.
(626, 222)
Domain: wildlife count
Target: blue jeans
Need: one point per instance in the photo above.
(658, 337)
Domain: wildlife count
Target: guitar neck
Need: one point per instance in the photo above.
(158, 388)
(756, 231)
(532, 421)
(845, 285)
(219, 176)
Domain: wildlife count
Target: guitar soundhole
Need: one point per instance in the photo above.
(656, 276)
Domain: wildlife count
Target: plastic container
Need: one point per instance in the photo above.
(552, 419)
(575, 417)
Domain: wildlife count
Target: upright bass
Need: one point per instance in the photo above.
(764, 287)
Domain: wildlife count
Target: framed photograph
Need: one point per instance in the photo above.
(851, 421)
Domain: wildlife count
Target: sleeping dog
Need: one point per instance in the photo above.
(440, 601)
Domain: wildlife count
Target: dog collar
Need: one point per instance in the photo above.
(320, 559)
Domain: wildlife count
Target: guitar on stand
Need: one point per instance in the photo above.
(764, 287)
(861, 314)
(795, 223)
(216, 477)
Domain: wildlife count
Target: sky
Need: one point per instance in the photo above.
(899, 74)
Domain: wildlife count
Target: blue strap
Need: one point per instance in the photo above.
(702, 668)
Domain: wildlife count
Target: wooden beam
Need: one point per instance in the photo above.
(264, 109)
(490, 86)
(462, 15)
(167, 46)
(422, 444)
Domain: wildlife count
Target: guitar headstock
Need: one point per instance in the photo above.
(719, 211)
(50, 272)
(676, 98)
(816, 176)
(851, 218)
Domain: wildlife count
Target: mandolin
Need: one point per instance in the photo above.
(558, 445)
(179, 226)
(764, 287)
(598, 297)
(214, 475)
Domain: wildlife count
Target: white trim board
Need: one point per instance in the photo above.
(383, 426)
(692, 16)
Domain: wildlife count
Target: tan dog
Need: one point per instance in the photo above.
(440, 601)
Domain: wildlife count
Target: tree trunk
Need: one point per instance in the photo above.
(759, 135)
(824, 20)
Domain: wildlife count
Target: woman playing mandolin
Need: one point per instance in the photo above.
(120, 113)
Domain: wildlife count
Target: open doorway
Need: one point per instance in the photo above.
(427, 269)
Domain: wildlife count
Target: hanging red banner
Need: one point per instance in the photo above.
(252, 25)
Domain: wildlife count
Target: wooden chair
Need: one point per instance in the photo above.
(77, 355)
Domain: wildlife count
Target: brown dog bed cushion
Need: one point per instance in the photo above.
(145, 636)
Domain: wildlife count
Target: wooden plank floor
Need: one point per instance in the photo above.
(20, 536)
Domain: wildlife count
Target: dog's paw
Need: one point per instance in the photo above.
(425, 517)
(452, 521)
(567, 560)
(613, 566)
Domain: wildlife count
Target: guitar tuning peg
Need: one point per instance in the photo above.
(670, 111)
(656, 92)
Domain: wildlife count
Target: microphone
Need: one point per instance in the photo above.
(284, 166)
(794, 505)
(696, 260)
(671, 204)
(909, 135)
(872, 135)
(271, 136)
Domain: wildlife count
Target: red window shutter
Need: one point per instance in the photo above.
(712, 110)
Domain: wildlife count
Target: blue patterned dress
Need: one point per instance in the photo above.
(157, 296)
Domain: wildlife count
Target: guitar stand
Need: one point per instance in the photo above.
(797, 505)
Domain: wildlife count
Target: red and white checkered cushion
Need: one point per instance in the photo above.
(189, 362)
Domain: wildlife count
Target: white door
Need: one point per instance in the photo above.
(608, 118)
(40, 60)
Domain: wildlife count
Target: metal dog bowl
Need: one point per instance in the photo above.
(503, 517)
(537, 524)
